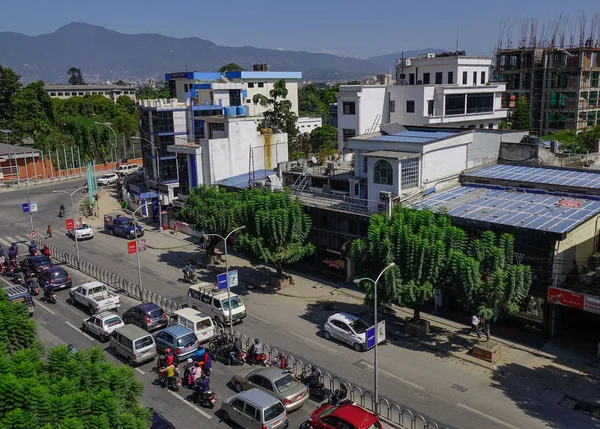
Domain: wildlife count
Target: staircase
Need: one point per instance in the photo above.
(302, 181)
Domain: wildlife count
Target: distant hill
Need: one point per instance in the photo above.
(387, 61)
(106, 55)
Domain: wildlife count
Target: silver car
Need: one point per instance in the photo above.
(102, 324)
(255, 409)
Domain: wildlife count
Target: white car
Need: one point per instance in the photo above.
(347, 328)
(108, 179)
(82, 233)
(102, 324)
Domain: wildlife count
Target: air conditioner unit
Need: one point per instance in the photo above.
(385, 196)
(407, 62)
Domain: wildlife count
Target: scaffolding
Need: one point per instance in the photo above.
(556, 66)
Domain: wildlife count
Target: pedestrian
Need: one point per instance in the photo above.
(49, 232)
(475, 326)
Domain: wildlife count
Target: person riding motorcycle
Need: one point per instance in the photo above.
(314, 378)
(17, 276)
(236, 349)
(169, 357)
(33, 281)
(256, 349)
(61, 210)
(12, 254)
(170, 374)
(48, 289)
(32, 247)
(188, 270)
(201, 387)
(46, 251)
(198, 355)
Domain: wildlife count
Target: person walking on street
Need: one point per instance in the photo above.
(49, 232)
(475, 326)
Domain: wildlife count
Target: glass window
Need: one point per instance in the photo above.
(187, 339)
(275, 411)
(113, 321)
(483, 78)
(455, 104)
(203, 324)
(465, 78)
(430, 107)
(450, 77)
(426, 78)
(218, 126)
(286, 383)
(410, 173)
(383, 174)
(143, 342)
(410, 106)
(480, 103)
(392, 106)
(184, 180)
(438, 78)
(359, 326)
(250, 84)
(235, 97)
(168, 169)
(261, 85)
(236, 302)
(347, 134)
(411, 78)
(156, 313)
(238, 404)
(216, 303)
(164, 142)
(365, 164)
(162, 122)
(475, 78)
(349, 108)
(251, 412)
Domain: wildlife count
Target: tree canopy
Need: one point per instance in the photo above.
(314, 101)
(279, 114)
(324, 139)
(230, 67)
(571, 142)
(146, 92)
(521, 117)
(75, 76)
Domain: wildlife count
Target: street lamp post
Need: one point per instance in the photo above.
(70, 194)
(160, 227)
(227, 272)
(137, 244)
(6, 133)
(108, 124)
(375, 365)
(29, 201)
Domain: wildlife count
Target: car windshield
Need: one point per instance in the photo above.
(187, 339)
(155, 313)
(274, 411)
(286, 383)
(106, 176)
(359, 326)
(113, 321)
(326, 412)
(236, 302)
(143, 342)
(84, 226)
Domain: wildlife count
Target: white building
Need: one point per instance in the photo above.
(434, 90)
(308, 123)
(112, 92)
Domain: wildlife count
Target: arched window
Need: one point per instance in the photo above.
(384, 175)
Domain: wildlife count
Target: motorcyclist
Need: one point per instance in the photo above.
(256, 349)
(339, 395)
(169, 357)
(61, 210)
(207, 363)
(33, 281)
(46, 251)
(188, 270)
(170, 373)
(198, 355)
(282, 360)
(32, 247)
(201, 387)
(314, 378)
(236, 349)
(12, 254)
(48, 289)
(17, 276)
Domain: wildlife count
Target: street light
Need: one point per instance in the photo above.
(375, 369)
(7, 132)
(227, 272)
(108, 124)
(137, 244)
(28, 200)
(160, 227)
(70, 194)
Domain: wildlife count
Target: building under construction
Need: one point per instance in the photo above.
(555, 65)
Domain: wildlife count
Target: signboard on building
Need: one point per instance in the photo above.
(566, 298)
(69, 224)
(131, 247)
(591, 304)
(372, 333)
(178, 75)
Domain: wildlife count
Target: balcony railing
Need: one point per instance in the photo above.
(340, 202)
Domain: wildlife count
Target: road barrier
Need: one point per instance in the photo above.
(392, 412)
(112, 280)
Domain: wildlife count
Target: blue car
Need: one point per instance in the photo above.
(122, 226)
(179, 339)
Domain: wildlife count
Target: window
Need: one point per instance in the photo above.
(450, 77)
(438, 78)
(218, 126)
(53, 94)
(251, 412)
(185, 87)
(483, 78)
(238, 404)
(164, 142)
(206, 299)
(480, 103)
(250, 84)
(198, 130)
(60, 94)
(248, 101)
(430, 107)
(464, 78)
(426, 78)
(203, 324)
(383, 174)
(491, 126)
(365, 164)
(184, 181)
(410, 106)
(411, 78)
(216, 303)
(284, 384)
(144, 342)
(331, 421)
(274, 411)
(347, 134)
(349, 107)
(162, 122)
(261, 84)
(235, 97)
(474, 78)
(392, 106)
(410, 173)
(455, 104)
(168, 169)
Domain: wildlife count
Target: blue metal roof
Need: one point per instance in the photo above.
(523, 209)
(415, 136)
(193, 75)
(550, 176)
(241, 181)
(263, 75)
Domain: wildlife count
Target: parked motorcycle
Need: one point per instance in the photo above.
(50, 297)
(258, 359)
(317, 390)
(204, 399)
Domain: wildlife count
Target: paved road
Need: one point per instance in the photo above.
(452, 393)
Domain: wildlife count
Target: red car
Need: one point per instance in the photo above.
(343, 417)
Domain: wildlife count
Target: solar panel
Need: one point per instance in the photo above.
(393, 128)
(551, 176)
(539, 211)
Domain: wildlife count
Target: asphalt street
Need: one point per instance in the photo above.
(451, 392)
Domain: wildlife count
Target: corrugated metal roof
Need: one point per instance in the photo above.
(532, 210)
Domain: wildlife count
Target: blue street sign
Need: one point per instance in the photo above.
(25, 207)
(371, 337)
(222, 281)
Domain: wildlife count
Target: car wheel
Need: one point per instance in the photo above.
(92, 310)
(130, 361)
(327, 335)
(358, 347)
(226, 417)
(103, 338)
(238, 387)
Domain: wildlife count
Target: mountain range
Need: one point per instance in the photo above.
(105, 55)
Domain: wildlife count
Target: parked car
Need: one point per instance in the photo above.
(35, 264)
(147, 316)
(255, 409)
(116, 224)
(346, 416)
(347, 328)
(57, 276)
(82, 233)
(95, 296)
(275, 381)
(181, 340)
(108, 179)
(159, 422)
(102, 324)
(126, 169)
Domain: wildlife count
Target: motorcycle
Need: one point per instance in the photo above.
(172, 383)
(50, 297)
(317, 390)
(204, 399)
(190, 277)
(14, 263)
(61, 213)
(259, 359)
(239, 359)
(33, 252)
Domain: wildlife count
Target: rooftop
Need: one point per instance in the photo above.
(243, 181)
(392, 155)
(91, 87)
(215, 76)
(541, 211)
(6, 149)
(415, 136)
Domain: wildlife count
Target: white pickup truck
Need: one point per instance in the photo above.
(95, 296)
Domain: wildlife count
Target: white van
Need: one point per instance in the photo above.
(125, 169)
(199, 323)
(207, 298)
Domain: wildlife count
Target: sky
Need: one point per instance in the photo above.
(342, 27)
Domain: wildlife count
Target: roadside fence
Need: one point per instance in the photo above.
(110, 279)
(392, 412)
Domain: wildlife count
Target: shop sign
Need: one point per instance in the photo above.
(592, 304)
(566, 298)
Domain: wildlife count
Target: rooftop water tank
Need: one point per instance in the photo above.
(241, 110)
(229, 112)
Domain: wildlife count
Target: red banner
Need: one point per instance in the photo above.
(131, 247)
(70, 224)
(566, 298)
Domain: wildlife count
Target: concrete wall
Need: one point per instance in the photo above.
(443, 163)
(308, 123)
(579, 244)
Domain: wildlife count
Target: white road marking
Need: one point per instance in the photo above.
(4, 242)
(23, 238)
(260, 319)
(79, 330)
(12, 240)
(482, 414)
(38, 304)
(140, 371)
(189, 404)
(311, 341)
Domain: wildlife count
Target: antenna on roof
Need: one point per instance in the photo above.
(457, 40)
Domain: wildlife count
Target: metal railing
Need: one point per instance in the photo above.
(338, 202)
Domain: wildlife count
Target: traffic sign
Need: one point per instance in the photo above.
(33, 234)
(142, 245)
(371, 337)
(33, 206)
(69, 224)
(131, 247)
(25, 207)
(222, 279)
(372, 332)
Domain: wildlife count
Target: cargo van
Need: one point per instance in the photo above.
(125, 169)
(208, 299)
(197, 322)
(132, 343)
(19, 293)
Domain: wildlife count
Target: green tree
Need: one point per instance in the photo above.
(230, 67)
(521, 117)
(147, 93)
(75, 76)
(276, 228)
(17, 328)
(279, 114)
(9, 87)
(212, 210)
(309, 100)
(33, 111)
(324, 139)
(120, 83)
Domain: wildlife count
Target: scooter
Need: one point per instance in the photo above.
(207, 399)
(259, 359)
(50, 297)
(239, 359)
(316, 390)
